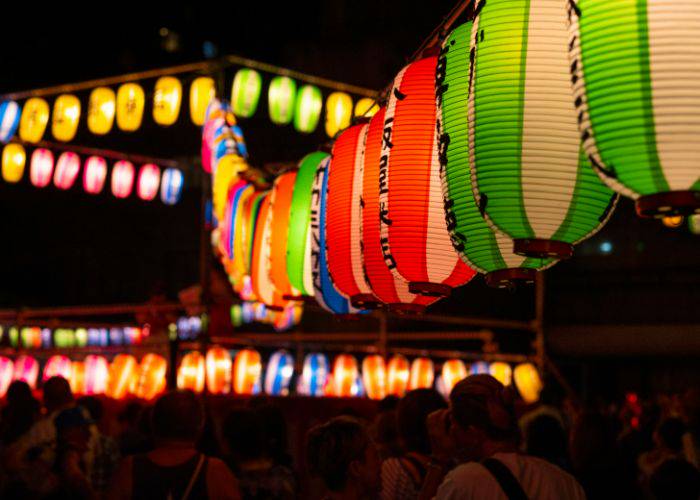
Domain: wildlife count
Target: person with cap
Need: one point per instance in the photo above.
(479, 433)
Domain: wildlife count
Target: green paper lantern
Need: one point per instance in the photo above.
(81, 337)
(236, 315)
(280, 99)
(245, 92)
(308, 109)
(64, 338)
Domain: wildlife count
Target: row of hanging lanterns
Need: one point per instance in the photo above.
(247, 313)
(36, 337)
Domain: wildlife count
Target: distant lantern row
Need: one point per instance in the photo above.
(36, 337)
(65, 170)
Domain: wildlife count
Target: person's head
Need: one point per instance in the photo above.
(177, 416)
(669, 434)
(413, 410)
(545, 438)
(244, 435)
(18, 393)
(57, 393)
(93, 405)
(73, 429)
(675, 479)
(388, 403)
(342, 454)
(482, 417)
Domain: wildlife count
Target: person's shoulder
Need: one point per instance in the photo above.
(468, 471)
(555, 475)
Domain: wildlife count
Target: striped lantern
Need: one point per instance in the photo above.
(35, 117)
(102, 107)
(9, 119)
(299, 235)
(280, 99)
(374, 376)
(397, 375)
(123, 372)
(528, 382)
(314, 375)
(26, 370)
(167, 97)
(307, 109)
(171, 183)
(338, 113)
(122, 178)
(67, 169)
(453, 370)
(260, 262)
(239, 243)
(130, 104)
(98, 337)
(191, 373)
(530, 177)
(57, 366)
(41, 167)
(245, 92)
(345, 374)
(231, 227)
(422, 374)
(251, 210)
(247, 368)
(479, 368)
(147, 184)
(14, 158)
(96, 373)
(366, 107)
(202, 91)
(7, 370)
(150, 381)
(280, 207)
(278, 375)
(501, 371)
(640, 121)
(65, 117)
(485, 250)
(94, 174)
(343, 212)
(218, 366)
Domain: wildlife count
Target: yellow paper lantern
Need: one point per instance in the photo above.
(190, 375)
(202, 91)
(66, 114)
(673, 221)
(453, 371)
(35, 117)
(166, 100)
(130, 103)
(374, 376)
(122, 374)
(101, 110)
(13, 160)
(366, 107)
(422, 374)
(338, 112)
(77, 377)
(218, 365)
(528, 382)
(226, 171)
(151, 376)
(502, 372)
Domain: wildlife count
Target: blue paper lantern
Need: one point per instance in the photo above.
(171, 186)
(279, 373)
(10, 112)
(314, 375)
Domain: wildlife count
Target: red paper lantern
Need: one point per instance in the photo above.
(149, 180)
(247, 367)
(27, 370)
(191, 373)
(57, 366)
(96, 373)
(374, 376)
(422, 374)
(67, 168)
(218, 365)
(345, 373)
(122, 178)
(41, 167)
(94, 174)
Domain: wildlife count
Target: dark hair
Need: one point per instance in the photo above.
(389, 403)
(93, 405)
(413, 410)
(177, 415)
(671, 433)
(18, 392)
(333, 446)
(545, 438)
(675, 479)
(57, 393)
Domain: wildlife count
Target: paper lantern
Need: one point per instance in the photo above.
(307, 109)
(122, 178)
(422, 374)
(251, 210)
(238, 242)
(338, 112)
(397, 375)
(35, 117)
(202, 90)
(123, 372)
(639, 125)
(102, 107)
(171, 184)
(343, 212)
(226, 173)
(280, 99)
(151, 376)
(280, 369)
(245, 92)
(227, 225)
(26, 370)
(288, 318)
(231, 228)
(94, 174)
(374, 376)
(191, 374)
(65, 118)
(280, 207)
(314, 375)
(130, 103)
(96, 373)
(67, 168)
(673, 221)
(479, 368)
(7, 370)
(13, 160)
(453, 370)
(147, 185)
(501, 372)
(46, 338)
(64, 338)
(167, 97)
(77, 377)
(57, 366)
(694, 224)
(13, 333)
(528, 381)
(218, 365)
(41, 167)
(98, 337)
(345, 374)
(31, 337)
(366, 107)
(9, 119)
(246, 372)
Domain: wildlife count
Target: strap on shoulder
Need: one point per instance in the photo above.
(505, 478)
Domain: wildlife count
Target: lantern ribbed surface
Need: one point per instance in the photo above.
(245, 92)
(280, 206)
(343, 212)
(634, 68)
(529, 174)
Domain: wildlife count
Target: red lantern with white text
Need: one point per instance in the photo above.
(67, 168)
(41, 167)
(149, 179)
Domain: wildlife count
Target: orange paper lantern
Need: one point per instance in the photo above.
(77, 377)
(190, 374)
(151, 376)
(345, 373)
(280, 207)
(398, 373)
(218, 365)
(374, 376)
(246, 372)
(422, 374)
(453, 370)
(122, 373)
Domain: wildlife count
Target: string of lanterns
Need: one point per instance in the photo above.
(36, 337)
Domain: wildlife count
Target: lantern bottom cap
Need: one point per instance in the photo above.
(365, 301)
(504, 278)
(429, 289)
(294, 298)
(347, 317)
(406, 309)
(668, 204)
(542, 249)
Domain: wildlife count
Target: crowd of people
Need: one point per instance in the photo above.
(478, 444)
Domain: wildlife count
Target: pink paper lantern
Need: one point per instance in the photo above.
(67, 168)
(96, 373)
(94, 174)
(41, 167)
(6, 374)
(149, 180)
(27, 369)
(57, 366)
(122, 178)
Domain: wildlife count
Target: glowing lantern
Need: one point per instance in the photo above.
(151, 376)
(130, 103)
(338, 112)
(171, 186)
(66, 115)
(35, 117)
(13, 160)
(231, 228)
(251, 210)
(528, 381)
(366, 107)
(694, 224)
(280, 99)
(314, 375)
(77, 377)
(41, 167)
(122, 374)
(343, 212)
(246, 92)
(81, 337)
(31, 337)
(397, 375)
(166, 100)
(57, 366)
(122, 178)
(345, 374)
(9, 119)
(96, 373)
(147, 185)
(288, 318)
(280, 206)
(67, 168)
(225, 174)
(307, 109)
(7, 371)
(218, 365)
(94, 174)
(479, 368)
(97, 337)
(64, 337)
(374, 376)
(246, 372)
(280, 369)
(101, 110)
(673, 221)
(202, 91)
(453, 370)
(27, 370)
(238, 243)
(46, 337)
(501, 372)
(422, 374)
(191, 374)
